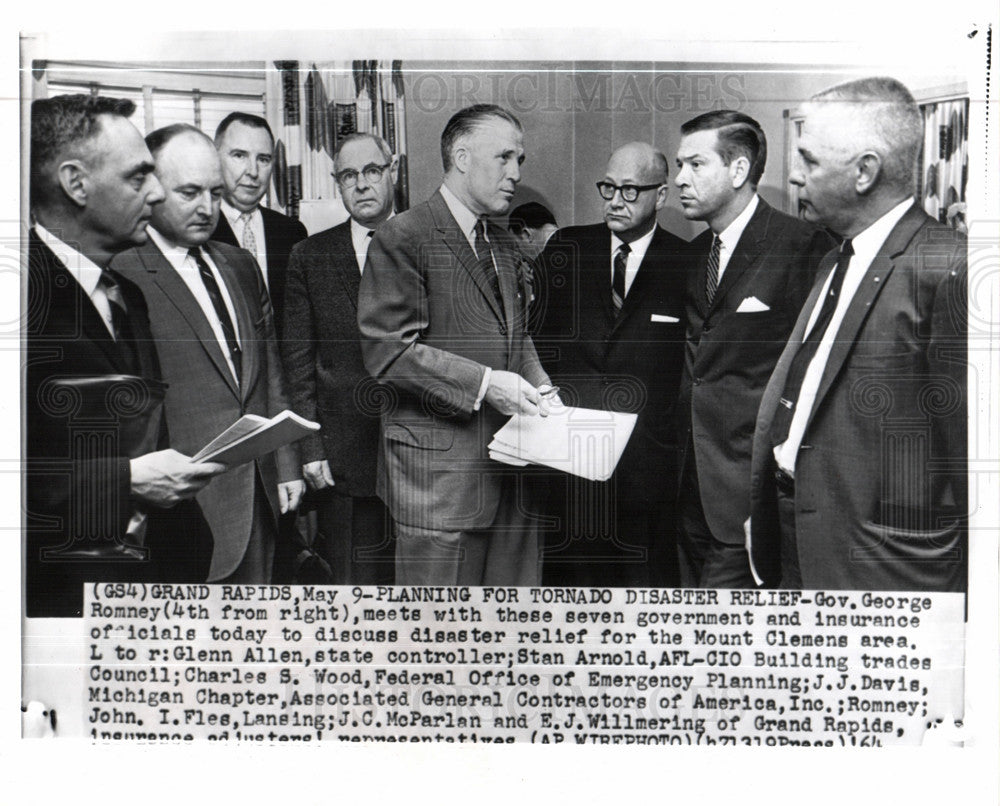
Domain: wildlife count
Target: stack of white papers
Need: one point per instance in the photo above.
(583, 442)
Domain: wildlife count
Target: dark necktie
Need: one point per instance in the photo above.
(618, 277)
(712, 271)
(485, 256)
(221, 311)
(807, 350)
(119, 319)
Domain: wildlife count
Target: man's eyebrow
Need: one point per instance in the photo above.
(142, 168)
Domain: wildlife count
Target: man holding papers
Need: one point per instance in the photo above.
(441, 311)
(212, 323)
(613, 329)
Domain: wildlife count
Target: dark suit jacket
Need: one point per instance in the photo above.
(321, 351)
(281, 233)
(68, 341)
(429, 327)
(203, 398)
(880, 477)
(631, 363)
(730, 354)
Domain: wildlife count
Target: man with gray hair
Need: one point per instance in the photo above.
(859, 460)
(442, 315)
(327, 379)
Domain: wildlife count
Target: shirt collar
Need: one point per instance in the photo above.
(463, 215)
(731, 235)
(638, 247)
(867, 242)
(175, 255)
(360, 231)
(84, 270)
(233, 215)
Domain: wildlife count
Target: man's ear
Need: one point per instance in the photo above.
(460, 157)
(394, 170)
(662, 192)
(868, 168)
(739, 171)
(73, 180)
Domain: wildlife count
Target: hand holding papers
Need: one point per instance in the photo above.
(252, 436)
(583, 442)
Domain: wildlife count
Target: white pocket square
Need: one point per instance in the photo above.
(752, 305)
(659, 317)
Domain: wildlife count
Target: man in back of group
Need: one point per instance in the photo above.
(212, 323)
(108, 506)
(327, 379)
(246, 148)
(748, 275)
(612, 336)
(859, 475)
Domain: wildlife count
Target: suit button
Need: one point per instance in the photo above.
(706, 329)
(697, 381)
(503, 330)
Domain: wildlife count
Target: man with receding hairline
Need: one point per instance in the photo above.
(442, 314)
(212, 322)
(860, 451)
(611, 333)
(748, 275)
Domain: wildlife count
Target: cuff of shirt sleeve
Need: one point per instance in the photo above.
(482, 389)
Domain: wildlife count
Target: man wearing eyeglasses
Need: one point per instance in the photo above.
(612, 336)
(246, 148)
(326, 376)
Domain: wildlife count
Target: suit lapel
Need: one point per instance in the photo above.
(864, 298)
(176, 290)
(455, 240)
(747, 250)
(345, 264)
(249, 354)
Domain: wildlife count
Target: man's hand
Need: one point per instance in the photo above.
(317, 474)
(164, 478)
(509, 393)
(290, 494)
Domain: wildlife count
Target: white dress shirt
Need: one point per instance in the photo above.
(637, 251)
(866, 245)
(256, 225)
(361, 237)
(184, 265)
(84, 271)
(731, 235)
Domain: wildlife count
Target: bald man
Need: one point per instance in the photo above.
(611, 335)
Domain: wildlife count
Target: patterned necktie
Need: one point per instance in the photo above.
(247, 239)
(485, 255)
(807, 350)
(618, 277)
(221, 311)
(712, 271)
(119, 318)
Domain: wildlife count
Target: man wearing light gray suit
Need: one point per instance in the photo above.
(441, 311)
(212, 323)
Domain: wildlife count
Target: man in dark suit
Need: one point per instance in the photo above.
(106, 499)
(442, 318)
(212, 323)
(532, 224)
(859, 460)
(327, 379)
(748, 276)
(246, 148)
(611, 332)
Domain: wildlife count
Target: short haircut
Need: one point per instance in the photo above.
(533, 215)
(59, 127)
(888, 122)
(382, 145)
(156, 140)
(738, 135)
(253, 121)
(465, 120)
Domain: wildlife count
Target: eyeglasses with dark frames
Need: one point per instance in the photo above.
(629, 192)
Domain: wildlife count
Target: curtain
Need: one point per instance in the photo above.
(945, 164)
(312, 106)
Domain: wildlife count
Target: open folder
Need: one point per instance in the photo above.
(583, 442)
(253, 436)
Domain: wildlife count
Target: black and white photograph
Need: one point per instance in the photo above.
(594, 388)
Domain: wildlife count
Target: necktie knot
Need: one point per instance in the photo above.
(847, 248)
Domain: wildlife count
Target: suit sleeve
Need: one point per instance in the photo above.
(298, 352)
(393, 316)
